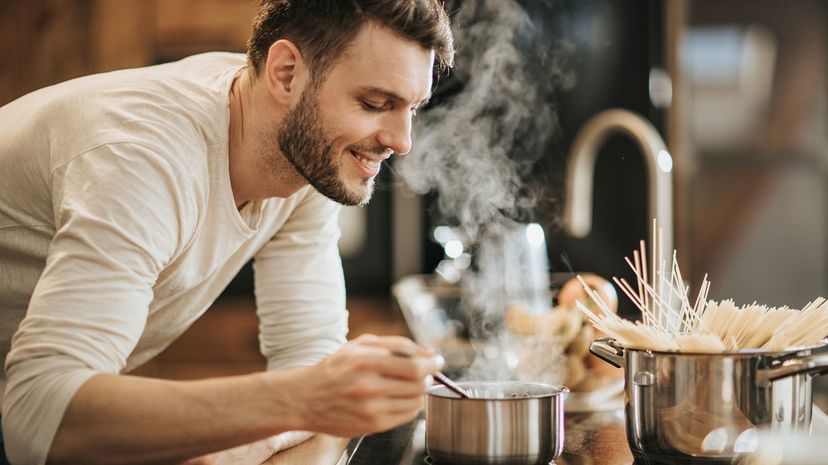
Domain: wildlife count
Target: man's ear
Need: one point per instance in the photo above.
(285, 71)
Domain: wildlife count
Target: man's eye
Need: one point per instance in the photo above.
(370, 106)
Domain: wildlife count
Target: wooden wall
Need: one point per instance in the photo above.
(43, 42)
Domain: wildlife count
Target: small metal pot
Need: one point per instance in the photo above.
(504, 423)
(710, 406)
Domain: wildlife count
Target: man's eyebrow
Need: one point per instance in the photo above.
(391, 95)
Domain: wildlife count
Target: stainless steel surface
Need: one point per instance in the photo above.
(504, 423)
(608, 352)
(579, 172)
(711, 406)
(815, 363)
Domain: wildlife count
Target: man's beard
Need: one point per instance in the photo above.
(303, 141)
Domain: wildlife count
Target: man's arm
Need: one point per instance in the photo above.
(300, 288)
(118, 219)
(362, 388)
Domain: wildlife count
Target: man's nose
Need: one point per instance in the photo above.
(396, 133)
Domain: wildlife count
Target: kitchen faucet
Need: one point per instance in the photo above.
(581, 165)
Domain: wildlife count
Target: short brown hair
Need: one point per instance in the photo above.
(322, 29)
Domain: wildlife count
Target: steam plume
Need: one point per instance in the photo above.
(478, 147)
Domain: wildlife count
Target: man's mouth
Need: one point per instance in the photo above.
(370, 166)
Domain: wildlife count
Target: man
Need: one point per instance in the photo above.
(130, 199)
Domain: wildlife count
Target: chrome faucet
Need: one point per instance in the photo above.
(581, 165)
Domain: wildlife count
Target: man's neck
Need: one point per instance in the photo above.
(258, 169)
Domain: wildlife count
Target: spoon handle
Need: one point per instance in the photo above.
(440, 378)
(453, 387)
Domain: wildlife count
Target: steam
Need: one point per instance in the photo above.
(478, 148)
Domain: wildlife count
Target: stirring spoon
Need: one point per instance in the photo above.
(451, 385)
(441, 378)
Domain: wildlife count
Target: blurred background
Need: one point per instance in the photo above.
(738, 95)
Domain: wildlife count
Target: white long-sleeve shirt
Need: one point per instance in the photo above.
(118, 229)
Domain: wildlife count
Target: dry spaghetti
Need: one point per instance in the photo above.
(671, 323)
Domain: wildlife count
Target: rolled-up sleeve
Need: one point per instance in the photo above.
(118, 221)
(300, 289)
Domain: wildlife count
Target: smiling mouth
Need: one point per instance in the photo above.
(369, 165)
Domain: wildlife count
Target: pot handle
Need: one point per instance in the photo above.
(816, 364)
(609, 351)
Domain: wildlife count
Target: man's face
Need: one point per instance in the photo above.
(338, 135)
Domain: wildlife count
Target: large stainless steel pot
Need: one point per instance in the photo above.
(504, 423)
(710, 406)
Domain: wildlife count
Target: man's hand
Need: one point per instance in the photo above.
(371, 384)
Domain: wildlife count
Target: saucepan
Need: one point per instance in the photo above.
(712, 406)
(503, 423)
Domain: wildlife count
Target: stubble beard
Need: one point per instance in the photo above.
(303, 141)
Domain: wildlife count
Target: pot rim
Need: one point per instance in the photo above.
(557, 388)
(743, 352)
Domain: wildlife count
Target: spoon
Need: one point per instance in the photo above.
(451, 385)
(442, 379)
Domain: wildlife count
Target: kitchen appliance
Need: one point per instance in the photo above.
(503, 423)
(711, 406)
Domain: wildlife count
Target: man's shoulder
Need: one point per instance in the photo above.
(189, 92)
(203, 64)
(187, 98)
(178, 109)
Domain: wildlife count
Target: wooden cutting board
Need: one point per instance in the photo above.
(318, 450)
